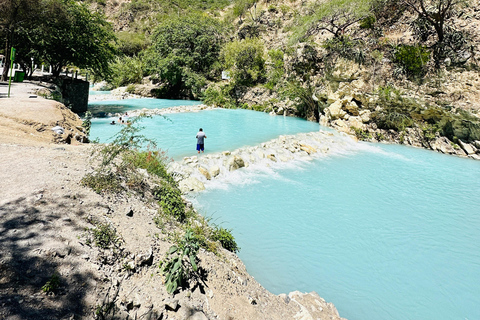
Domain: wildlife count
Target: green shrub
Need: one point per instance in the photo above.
(52, 284)
(245, 61)
(102, 182)
(170, 201)
(102, 235)
(345, 47)
(131, 43)
(368, 22)
(87, 122)
(155, 162)
(362, 134)
(180, 262)
(412, 59)
(275, 68)
(225, 237)
(126, 70)
(222, 95)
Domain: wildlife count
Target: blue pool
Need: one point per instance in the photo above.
(382, 231)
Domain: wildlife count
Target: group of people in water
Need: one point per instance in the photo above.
(122, 120)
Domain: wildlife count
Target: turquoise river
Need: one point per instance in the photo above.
(382, 231)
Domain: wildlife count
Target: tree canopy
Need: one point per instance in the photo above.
(184, 51)
(61, 33)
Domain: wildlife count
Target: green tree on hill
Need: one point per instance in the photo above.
(184, 54)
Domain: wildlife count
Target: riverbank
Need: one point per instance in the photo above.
(50, 270)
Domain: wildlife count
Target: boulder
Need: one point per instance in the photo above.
(272, 157)
(365, 115)
(308, 149)
(352, 108)
(469, 149)
(234, 163)
(214, 171)
(205, 172)
(334, 111)
(355, 122)
(191, 184)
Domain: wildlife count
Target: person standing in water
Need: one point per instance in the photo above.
(200, 140)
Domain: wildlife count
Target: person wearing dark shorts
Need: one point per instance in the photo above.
(200, 140)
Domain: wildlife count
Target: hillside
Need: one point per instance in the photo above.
(378, 71)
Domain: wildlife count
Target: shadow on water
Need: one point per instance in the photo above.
(31, 252)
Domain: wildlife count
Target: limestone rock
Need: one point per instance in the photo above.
(443, 145)
(308, 149)
(352, 108)
(466, 147)
(191, 184)
(335, 111)
(205, 172)
(234, 163)
(214, 171)
(365, 115)
(271, 156)
(355, 122)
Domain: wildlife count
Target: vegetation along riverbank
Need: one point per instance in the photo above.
(112, 236)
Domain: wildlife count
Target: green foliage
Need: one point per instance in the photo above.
(155, 162)
(335, 16)
(302, 94)
(180, 262)
(120, 159)
(171, 201)
(412, 59)
(68, 33)
(87, 122)
(226, 239)
(52, 284)
(131, 43)
(362, 134)
(184, 52)
(245, 61)
(102, 182)
(398, 113)
(352, 49)
(222, 95)
(275, 68)
(103, 236)
(368, 22)
(126, 70)
(241, 7)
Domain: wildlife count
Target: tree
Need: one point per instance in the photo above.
(73, 35)
(436, 13)
(245, 60)
(14, 15)
(184, 51)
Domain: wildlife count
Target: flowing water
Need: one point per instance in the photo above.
(382, 231)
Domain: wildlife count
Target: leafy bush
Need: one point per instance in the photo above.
(126, 70)
(131, 43)
(103, 236)
(220, 95)
(154, 162)
(87, 122)
(412, 59)
(245, 61)
(184, 51)
(352, 49)
(102, 182)
(180, 262)
(275, 68)
(226, 239)
(170, 201)
(52, 284)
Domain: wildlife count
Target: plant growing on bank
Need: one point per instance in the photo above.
(120, 159)
(412, 59)
(87, 122)
(171, 201)
(102, 235)
(225, 237)
(180, 262)
(52, 284)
